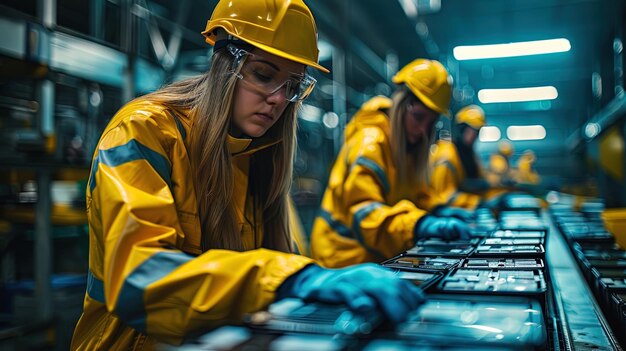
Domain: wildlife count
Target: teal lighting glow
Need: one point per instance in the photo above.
(525, 48)
(487, 96)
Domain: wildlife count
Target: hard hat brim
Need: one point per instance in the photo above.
(267, 48)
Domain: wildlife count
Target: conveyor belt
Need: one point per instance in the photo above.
(582, 321)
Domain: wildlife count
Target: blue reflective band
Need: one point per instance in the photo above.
(378, 171)
(453, 198)
(179, 126)
(131, 151)
(95, 287)
(451, 167)
(335, 225)
(130, 303)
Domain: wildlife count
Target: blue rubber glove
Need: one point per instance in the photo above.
(362, 288)
(445, 228)
(456, 212)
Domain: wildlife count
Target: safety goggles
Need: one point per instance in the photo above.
(262, 78)
(419, 112)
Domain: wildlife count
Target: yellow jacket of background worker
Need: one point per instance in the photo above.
(447, 175)
(525, 172)
(144, 232)
(499, 169)
(362, 217)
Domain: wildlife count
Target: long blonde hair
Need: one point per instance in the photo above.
(210, 100)
(411, 163)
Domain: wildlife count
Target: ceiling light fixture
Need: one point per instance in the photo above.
(487, 96)
(489, 134)
(533, 132)
(537, 47)
(409, 7)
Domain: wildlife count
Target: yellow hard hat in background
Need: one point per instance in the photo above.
(472, 115)
(429, 81)
(285, 28)
(376, 103)
(505, 147)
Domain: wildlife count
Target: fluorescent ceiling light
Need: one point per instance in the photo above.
(409, 7)
(330, 120)
(310, 113)
(487, 96)
(537, 47)
(535, 132)
(592, 129)
(489, 133)
(325, 50)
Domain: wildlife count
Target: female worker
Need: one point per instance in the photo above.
(526, 173)
(456, 172)
(369, 210)
(187, 197)
(500, 171)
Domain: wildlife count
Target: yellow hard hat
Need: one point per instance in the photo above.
(472, 115)
(376, 103)
(285, 28)
(505, 147)
(429, 81)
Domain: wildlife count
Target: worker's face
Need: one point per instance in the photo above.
(260, 100)
(418, 122)
(469, 135)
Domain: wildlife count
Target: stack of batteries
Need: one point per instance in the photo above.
(601, 260)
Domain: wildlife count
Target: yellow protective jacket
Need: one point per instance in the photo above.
(148, 278)
(499, 169)
(363, 216)
(525, 172)
(447, 176)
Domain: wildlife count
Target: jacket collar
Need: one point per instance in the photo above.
(246, 146)
(236, 146)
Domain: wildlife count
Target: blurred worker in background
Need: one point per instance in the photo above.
(526, 173)
(500, 169)
(367, 214)
(187, 197)
(456, 172)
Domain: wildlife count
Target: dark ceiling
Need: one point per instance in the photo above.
(374, 38)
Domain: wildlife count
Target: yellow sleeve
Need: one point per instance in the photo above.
(153, 286)
(384, 229)
(444, 182)
(298, 234)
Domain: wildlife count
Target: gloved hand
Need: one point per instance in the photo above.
(456, 212)
(361, 287)
(445, 228)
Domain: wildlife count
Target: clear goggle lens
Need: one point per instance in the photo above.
(257, 75)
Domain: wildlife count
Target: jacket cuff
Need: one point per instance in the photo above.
(437, 208)
(293, 283)
(280, 268)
